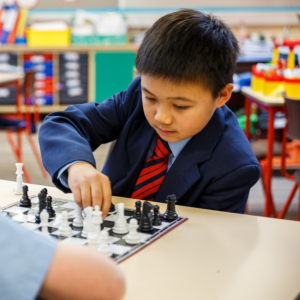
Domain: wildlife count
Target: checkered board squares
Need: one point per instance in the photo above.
(120, 249)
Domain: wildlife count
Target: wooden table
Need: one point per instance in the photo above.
(272, 105)
(212, 256)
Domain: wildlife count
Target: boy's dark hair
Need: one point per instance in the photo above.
(189, 46)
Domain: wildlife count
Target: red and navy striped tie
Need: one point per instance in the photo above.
(153, 172)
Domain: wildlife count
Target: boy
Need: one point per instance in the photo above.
(32, 265)
(173, 115)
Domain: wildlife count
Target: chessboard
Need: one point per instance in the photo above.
(119, 248)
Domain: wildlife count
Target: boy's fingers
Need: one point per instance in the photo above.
(86, 195)
(106, 193)
(97, 194)
(77, 196)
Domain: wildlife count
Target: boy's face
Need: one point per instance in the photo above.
(179, 111)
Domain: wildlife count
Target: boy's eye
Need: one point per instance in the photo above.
(151, 99)
(180, 107)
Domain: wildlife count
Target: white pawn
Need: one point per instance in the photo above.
(133, 237)
(65, 229)
(88, 226)
(78, 221)
(44, 222)
(120, 223)
(104, 247)
(93, 241)
(97, 220)
(20, 172)
(19, 187)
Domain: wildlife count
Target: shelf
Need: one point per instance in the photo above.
(46, 109)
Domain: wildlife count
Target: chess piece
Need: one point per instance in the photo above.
(17, 187)
(44, 222)
(78, 221)
(104, 247)
(88, 226)
(97, 220)
(170, 213)
(133, 237)
(25, 200)
(120, 223)
(42, 205)
(146, 220)
(65, 229)
(156, 219)
(93, 241)
(138, 213)
(112, 207)
(49, 207)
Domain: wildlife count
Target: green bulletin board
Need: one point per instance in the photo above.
(114, 72)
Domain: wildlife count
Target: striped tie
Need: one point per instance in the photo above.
(153, 172)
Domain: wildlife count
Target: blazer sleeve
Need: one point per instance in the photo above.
(73, 134)
(230, 193)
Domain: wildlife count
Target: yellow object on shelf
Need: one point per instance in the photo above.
(257, 83)
(273, 88)
(48, 38)
(292, 88)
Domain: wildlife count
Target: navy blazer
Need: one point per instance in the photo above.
(215, 170)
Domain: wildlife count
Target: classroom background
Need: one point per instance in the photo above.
(62, 52)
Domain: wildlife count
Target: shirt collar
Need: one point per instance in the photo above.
(177, 147)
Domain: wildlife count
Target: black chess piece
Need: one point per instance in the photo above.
(49, 207)
(138, 213)
(156, 219)
(170, 213)
(42, 204)
(25, 200)
(146, 221)
(112, 207)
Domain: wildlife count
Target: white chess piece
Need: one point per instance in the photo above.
(88, 226)
(97, 220)
(44, 222)
(133, 237)
(65, 229)
(93, 241)
(19, 172)
(104, 247)
(19, 187)
(78, 221)
(120, 223)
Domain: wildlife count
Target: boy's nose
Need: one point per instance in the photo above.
(163, 116)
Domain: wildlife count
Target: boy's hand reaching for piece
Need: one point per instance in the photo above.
(89, 186)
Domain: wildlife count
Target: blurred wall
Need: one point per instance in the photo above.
(58, 4)
(205, 3)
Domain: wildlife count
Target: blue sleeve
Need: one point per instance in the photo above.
(73, 135)
(25, 257)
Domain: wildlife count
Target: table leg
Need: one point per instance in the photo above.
(268, 175)
(247, 115)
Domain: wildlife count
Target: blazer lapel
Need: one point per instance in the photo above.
(185, 170)
(138, 143)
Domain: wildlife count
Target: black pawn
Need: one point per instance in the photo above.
(49, 207)
(112, 207)
(156, 219)
(25, 200)
(138, 213)
(170, 213)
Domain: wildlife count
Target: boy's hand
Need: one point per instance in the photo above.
(89, 186)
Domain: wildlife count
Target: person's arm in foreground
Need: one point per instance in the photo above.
(78, 272)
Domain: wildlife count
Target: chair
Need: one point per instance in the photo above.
(24, 124)
(292, 130)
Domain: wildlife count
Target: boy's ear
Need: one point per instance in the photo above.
(225, 94)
